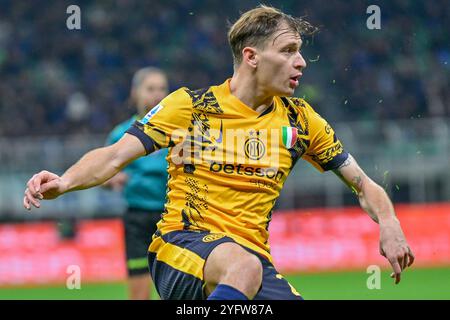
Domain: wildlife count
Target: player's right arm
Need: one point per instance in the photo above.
(118, 181)
(94, 168)
(159, 128)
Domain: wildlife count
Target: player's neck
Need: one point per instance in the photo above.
(246, 89)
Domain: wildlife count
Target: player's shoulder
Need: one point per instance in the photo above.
(178, 96)
(202, 99)
(297, 107)
(177, 103)
(205, 99)
(295, 103)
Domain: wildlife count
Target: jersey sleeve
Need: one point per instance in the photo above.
(325, 151)
(166, 123)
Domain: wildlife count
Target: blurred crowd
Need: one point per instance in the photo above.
(59, 81)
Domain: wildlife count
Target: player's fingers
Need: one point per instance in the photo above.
(397, 272)
(398, 278)
(32, 199)
(48, 176)
(49, 186)
(26, 203)
(31, 184)
(411, 257)
(401, 262)
(37, 181)
(405, 261)
(397, 269)
(394, 261)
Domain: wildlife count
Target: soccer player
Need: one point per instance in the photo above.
(143, 183)
(231, 147)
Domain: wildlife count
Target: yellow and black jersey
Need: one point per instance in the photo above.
(228, 163)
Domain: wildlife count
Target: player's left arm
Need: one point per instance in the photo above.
(375, 201)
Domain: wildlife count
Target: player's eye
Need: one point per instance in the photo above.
(289, 50)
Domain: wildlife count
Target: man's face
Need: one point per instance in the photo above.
(150, 92)
(280, 63)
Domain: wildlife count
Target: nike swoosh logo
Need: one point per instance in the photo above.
(219, 140)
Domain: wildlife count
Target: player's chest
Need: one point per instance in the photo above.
(261, 142)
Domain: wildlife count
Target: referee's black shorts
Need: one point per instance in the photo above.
(139, 226)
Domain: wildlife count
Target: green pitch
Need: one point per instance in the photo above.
(415, 284)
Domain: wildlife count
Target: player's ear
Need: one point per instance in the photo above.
(133, 98)
(250, 56)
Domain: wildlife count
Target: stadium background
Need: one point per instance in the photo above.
(384, 91)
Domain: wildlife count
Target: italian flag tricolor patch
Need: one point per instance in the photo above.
(289, 136)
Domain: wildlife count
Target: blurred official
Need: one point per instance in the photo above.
(142, 182)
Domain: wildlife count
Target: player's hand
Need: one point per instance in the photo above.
(117, 182)
(43, 185)
(394, 248)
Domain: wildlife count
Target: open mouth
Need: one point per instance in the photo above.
(293, 81)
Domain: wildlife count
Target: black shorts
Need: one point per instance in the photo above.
(176, 262)
(139, 227)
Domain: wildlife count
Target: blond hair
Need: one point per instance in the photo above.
(255, 26)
